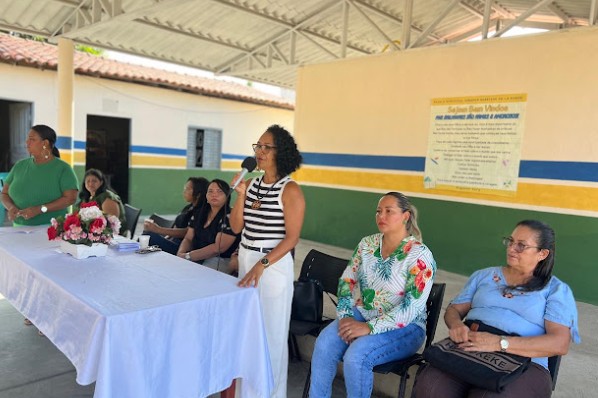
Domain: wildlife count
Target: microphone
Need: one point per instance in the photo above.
(248, 165)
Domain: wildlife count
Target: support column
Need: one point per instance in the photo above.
(66, 77)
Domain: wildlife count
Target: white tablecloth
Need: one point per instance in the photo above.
(140, 326)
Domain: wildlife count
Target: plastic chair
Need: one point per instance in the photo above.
(553, 367)
(162, 221)
(401, 368)
(131, 218)
(327, 270)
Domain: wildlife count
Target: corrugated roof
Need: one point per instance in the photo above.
(31, 53)
(267, 40)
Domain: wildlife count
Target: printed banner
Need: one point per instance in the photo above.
(475, 143)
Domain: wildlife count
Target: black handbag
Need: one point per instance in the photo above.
(488, 370)
(308, 301)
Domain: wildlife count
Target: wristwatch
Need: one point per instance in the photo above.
(188, 256)
(504, 344)
(44, 209)
(265, 262)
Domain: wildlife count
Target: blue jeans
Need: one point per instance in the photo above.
(359, 357)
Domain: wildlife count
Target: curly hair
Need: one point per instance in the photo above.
(288, 159)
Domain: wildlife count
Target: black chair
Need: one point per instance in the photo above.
(131, 218)
(327, 270)
(162, 221)
(401, 368)
(553, 367)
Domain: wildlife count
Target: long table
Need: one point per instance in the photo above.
(139, 325)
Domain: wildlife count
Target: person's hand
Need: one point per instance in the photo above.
(29, 212)
(481, 341)
(460, 334)
(13, 213)
(252, 278)
(233, 265)
(242, 187)
(148, 225)
(349, 329)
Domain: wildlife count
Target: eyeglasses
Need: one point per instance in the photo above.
(518, 247)
(263, 148)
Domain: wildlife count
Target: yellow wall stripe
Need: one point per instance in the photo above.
(546, 195)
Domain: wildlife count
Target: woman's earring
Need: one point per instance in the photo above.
(47, 153)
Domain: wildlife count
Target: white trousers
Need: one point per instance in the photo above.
(276, 295)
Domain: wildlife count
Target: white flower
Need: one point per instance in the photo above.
(90, 213)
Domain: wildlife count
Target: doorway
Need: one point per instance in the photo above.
(16, 119)
(107, 148)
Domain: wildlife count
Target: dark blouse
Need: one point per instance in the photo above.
(206, 236)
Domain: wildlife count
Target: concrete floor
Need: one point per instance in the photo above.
(31, 366)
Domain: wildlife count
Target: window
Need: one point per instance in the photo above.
(204, 148)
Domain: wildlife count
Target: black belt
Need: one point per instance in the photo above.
(256, 249)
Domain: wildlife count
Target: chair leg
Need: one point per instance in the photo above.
(403, 384)
(307, 383)
(295, 353)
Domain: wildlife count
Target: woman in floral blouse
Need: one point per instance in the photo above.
(382, 302)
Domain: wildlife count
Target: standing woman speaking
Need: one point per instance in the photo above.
(269, 210)
(42, 186)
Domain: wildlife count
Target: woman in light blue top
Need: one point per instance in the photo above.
(523, 298)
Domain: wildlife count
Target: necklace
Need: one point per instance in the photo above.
(258, 202)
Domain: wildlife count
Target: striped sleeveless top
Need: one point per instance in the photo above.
(266, 222)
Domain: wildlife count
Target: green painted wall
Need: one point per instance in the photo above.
(463, 237)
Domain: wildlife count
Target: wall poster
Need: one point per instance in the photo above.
(474, 143)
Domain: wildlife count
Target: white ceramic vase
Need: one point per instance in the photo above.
(83, 251)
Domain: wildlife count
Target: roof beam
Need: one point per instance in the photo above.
(84, 21)
(523, 17)
(407, 16)
(592, 18)
(289, 29)
(560, 13)
(449, 7)
(376, 27)
(391, 18)
(486, 20)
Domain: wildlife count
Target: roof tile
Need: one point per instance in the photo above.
(31, 53)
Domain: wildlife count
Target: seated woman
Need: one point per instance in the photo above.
(394, 273)
(95, 189)
(209, 239)
(521, 298)
(169, 239)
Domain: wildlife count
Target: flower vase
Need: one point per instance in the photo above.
(83, 251)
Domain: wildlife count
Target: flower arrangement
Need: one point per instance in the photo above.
(86, 226)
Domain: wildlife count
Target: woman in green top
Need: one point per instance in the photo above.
(42, 186)
(95, 189)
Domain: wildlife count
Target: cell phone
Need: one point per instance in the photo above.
(149, 249)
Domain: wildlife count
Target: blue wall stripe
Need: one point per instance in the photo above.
(63, 142)
(550, 170)
(406, 163)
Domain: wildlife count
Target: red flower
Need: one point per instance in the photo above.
(407, 247)
(97, 225)
(52, 233)
(72, 219)
(420, 264)
(89, 204)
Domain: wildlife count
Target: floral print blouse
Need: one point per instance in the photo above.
(391, 292)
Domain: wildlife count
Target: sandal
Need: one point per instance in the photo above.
(27, 322)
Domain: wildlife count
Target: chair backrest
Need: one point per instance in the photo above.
(131, 217)
(433, 308)
(162, 221)
(325, 268)
(553, 367)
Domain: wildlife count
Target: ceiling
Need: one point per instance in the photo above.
(266, 40)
